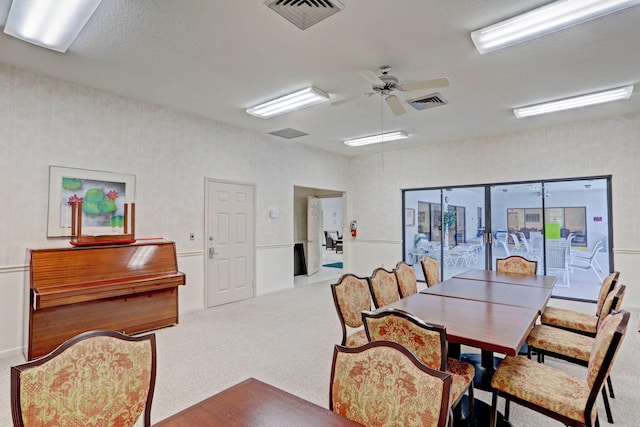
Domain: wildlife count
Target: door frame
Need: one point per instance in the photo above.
(207, 181)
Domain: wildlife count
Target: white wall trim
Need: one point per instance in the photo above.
(14, 269)
(626, 251)
(189, 254)
(275, 246)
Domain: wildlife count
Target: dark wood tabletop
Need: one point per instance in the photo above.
(253, 403)
(511, 278)
(494, 292)
(491, 327)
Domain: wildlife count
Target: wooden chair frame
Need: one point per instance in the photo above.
(16, 371)
(412, 287)
(593, 394)
(428, 259)
(334, 290)
(523, 259)
(374, 289)
(541, 353)
(444, 419)
(441, 330)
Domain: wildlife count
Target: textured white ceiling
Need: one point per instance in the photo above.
(216, 58)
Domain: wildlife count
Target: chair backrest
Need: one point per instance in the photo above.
(515, 239)
(351, 296)
(364, 389)
(406, 277)
(613, 302)
(603, 353)
(95, 378)
(607, 286)
(507, 251)
(384, 287)
(516, 264)
(431, 271)
(330, 243)
(428, 342)
(556, 257)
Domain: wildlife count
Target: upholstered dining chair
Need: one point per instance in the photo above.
(577, 321)
(364, 389)
(555, 393)
(351, 296)
(97, 378)
(406, 277)
(431, 271)
(384, 287)
(428, 342)
(575, 348)
(516, 264)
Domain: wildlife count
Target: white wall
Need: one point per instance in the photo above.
(51, 122)
(601, 147)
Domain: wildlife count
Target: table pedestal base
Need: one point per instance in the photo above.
(482, 415)
(485, 365)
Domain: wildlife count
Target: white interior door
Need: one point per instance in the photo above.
(314, 238)
(230, 252)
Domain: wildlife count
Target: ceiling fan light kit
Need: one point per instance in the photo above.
(375, 139)
(52, 24)
(544, 20)
(574, 102)
(293, 101)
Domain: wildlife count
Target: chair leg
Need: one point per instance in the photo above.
(494, 409)
(610, 387)
(472, 417)
(607, 408)
(507, 406)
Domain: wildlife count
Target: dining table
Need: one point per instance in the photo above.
(253, 403)
(494, 312)
(536, 280)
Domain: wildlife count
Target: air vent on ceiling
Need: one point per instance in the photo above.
(305, 13)
(432, 100)
(288, 133)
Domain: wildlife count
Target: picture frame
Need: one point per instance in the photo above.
(409, 217)
(103, 194)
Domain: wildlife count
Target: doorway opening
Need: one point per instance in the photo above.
(318, 231)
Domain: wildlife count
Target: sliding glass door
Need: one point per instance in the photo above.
(564, 225)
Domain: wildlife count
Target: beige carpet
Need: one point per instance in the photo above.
(286, 339)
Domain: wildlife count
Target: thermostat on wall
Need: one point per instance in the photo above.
(274, 213)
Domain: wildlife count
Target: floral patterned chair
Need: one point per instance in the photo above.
(364, 389)
(97, 378)
(428, 342)
(576, 348)
(576, 321)
(554, 393)
(406, 277)
(384, 287)
(516, 264)
(431, 271)
(351, 296)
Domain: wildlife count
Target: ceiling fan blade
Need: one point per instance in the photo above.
(371, 77)
(346, 100)
(425, 84)
(395, 105)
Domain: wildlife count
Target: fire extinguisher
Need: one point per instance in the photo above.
(354, 228)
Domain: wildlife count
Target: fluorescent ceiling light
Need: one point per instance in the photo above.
(375, 139)
(546, 19)
(53, 24)
(575, 102)
(294, 101)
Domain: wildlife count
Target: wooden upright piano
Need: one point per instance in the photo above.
(128, 288)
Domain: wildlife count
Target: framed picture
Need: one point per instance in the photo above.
(103, 196)
(409, 217)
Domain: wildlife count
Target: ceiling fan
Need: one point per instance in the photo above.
(385, 84)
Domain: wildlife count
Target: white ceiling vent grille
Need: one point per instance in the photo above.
(305, 13)
(424, 102)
